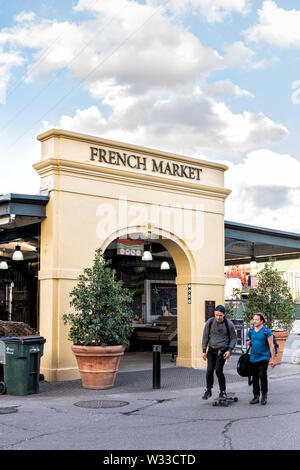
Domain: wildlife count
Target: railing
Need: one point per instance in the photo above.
(241, 335)
(235, 308)
(297, 311)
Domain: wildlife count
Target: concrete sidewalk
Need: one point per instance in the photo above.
(135, 375)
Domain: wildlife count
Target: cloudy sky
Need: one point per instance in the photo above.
(214, 79)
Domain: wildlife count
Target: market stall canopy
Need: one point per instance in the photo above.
(20, 215)
(246, 242)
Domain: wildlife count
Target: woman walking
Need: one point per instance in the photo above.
(260, 338)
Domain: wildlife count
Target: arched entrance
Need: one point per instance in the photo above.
(100, 190)
(183, 260)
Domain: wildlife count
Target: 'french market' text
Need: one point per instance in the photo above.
(141, 163)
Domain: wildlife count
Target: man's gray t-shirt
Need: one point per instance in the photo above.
(218, 338)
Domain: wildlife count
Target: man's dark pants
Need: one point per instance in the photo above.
(215, 361)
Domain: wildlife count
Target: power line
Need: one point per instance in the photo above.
(17, 114)
(44, 55)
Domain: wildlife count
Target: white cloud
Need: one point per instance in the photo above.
(246, 129)
(147, 70)
(89, 120)
(17, 158)
(215, 11)
(238, 54)
(8, 60)
(187, 122)
(122, 46)
(25, 16)
(265, 63)
(264, 167)
(54, 44)
(224, 89)
(265, 190)
(276, 26)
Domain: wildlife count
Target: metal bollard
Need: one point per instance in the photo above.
(156, 365)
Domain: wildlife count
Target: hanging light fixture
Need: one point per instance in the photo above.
(164, 265)
(17, 255)
(147, 256)
(3, 265)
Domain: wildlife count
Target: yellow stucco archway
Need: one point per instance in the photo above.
(102, 189)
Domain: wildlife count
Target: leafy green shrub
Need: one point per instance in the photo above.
(273, 298)
(103, 307)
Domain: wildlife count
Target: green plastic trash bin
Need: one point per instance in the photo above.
(22, 363)
(2, 363)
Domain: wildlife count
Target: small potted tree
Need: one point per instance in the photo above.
(273, 298)
(101, 325)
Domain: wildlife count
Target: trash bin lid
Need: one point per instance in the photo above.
(24, 339)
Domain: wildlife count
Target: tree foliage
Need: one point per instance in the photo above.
(273, 298)
(103, 307)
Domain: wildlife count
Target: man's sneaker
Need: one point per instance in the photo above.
(254, 400)
(207, 394)
(222, 394)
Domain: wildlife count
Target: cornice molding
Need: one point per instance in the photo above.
(60, 166)
(59, 133)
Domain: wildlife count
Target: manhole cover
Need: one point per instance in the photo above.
(7, 410)
(101, 404)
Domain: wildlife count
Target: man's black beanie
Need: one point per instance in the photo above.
(220, 308)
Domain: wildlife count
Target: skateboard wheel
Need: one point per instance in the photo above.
(235, 398)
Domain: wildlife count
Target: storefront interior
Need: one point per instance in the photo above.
(20, 224)
(150, 276)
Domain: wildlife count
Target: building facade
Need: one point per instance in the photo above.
(101, 192)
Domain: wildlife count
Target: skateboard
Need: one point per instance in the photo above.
(225, 401)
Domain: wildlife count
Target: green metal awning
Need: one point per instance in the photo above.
(21, 214)
(244, 241)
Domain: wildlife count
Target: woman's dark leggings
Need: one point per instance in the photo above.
(215, 361)
(260, 377)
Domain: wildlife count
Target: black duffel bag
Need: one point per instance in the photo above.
(243, 366)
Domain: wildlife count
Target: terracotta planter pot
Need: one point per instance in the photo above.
(281, 337)
(98, 365)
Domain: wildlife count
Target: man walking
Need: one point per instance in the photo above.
(220, 337)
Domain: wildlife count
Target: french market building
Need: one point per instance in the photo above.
(126, 199)
(101, 191)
